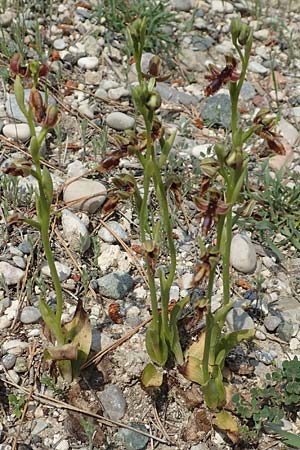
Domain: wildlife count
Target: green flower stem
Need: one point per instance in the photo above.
(226, 258)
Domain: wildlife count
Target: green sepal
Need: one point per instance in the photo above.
(47, 184)
(34, 148)
(168, 144)
(19, 93)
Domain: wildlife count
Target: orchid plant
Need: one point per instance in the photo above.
(72, 339)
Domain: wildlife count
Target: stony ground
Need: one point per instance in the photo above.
(90, 81)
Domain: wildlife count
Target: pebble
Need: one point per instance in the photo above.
(15, 346)
(117, 93)
(59, 44)
(217, 110)
(238, 319)
(6, 19)
(14, 376)
(261, 35)
(12, 107)
(285, 331)
(106, 85)
(26, 247)
(288, 131)
(201, 151)
(120, 121)
(272, 322)
(112, 256)
(247, 92)
(279, 162)
(100, 92)
(115, 285)
(92, 46)
(21, 365)
(116, 228)
(8, 360)
(171, 94)
(242, 254)
(19, 262)
(92, 77)
(30, 314)
(181, 5)
(11, 274)
(219, 6)
(75, 169)
(257, 68)
(74, 230)
(88, 62)
(19, 132)
(200, 446)
(4, 322)
(63, 270)
(113, 402)
(133, 440)
(294, 343)
(85, 109)
(83, 188)
(39, 426)
(62, 445)
(264, 357)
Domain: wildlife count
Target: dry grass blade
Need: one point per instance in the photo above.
(60, 404)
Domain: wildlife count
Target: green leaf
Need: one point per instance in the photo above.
(19, 93)
(151, 377)
(214, 391)
(78, 332)
(173, 336)
(226, 421)
(156, 345)
(290, 439)
(47, 184)
(192, 370)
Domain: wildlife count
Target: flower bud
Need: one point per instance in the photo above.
(43, 70)
(154, 101)
(235, 28)
(154, 66)
(209, 167)
(52, 116)
(15, 66)
(244, 34)
(221, 151)
(37, 104)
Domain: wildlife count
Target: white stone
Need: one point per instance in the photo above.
(75, 169)
(4, 322)
(75, 231)
(88, 62)
(6, 19)
(257, 68)
(15, 346)
(120, 121)
(105, 234)
(288, 131)
(113, 257)
(261, 35)
(85, 109)
(220, 6)
(108, 84)
(62, 270)
(63, 445)
(85, 195)
(59, 44)
(19, 132)
(294, 343)
(117, 93)
(30, 314)
(242, 254)
(11, 274)
(201, 151)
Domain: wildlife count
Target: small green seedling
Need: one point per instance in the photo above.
(17, 404)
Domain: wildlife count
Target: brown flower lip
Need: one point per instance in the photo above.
(219, 77)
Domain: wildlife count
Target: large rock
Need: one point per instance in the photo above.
(87, 191)
(242, 254)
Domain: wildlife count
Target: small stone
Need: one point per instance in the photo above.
(288, 131)
(112, 257)
(116, 228)
(92, 77)
(181, 5)
(4, 322)
(19, 132)
(26, 247)
(171, 94)
(272, 322)
(63, 270)
(39, 426)
(8, 361)
(6, 19)
(88, 62)
(100, 92)
(62, 445)
(217, 110)
(261, 35)
(59, 44)
(115, 285)
(13, 376)
(247, 92)
(85, 188)
(113, 402)
(238, 319)
(279, 162)
(242, 254)
(21, 364)
(260, 335)
(200, 446)
(75, 169)
(74, 230)
(85, 109)
(11, 274)
(257, 68)
(117, 93)
(219, 6)
(14, 346)
(133, 440)
(108, 84)
(294, 344)
(120, 121)
(30, 314)
(264, 357)
(201, 150)
(19, 262)
(285, 331)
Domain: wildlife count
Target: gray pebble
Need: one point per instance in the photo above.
(120, 121)
(8, 361)
(19, 262)
(88, 62)
(272, 322)
(133, 440)
(62, 269)
(30, 314)
(59, 44)
(85, 188)
(217, 110)
(115, 285)
(113, 402)
(11, 274)
(238, 319)
(21, 365)
(12, 107)
(264, 357)
(116, 228)
(285, 331)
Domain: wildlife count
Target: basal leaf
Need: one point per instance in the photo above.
(151, 377)
(156, 345)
